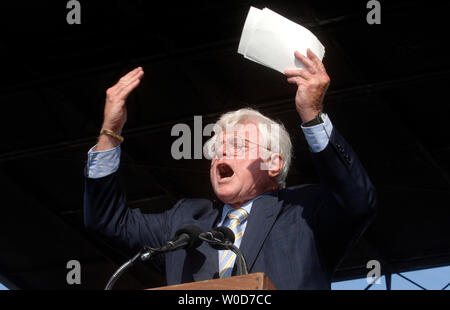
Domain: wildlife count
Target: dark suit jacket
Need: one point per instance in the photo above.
(297, 236)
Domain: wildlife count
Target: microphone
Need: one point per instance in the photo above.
(224, 234)
(221, 234)
(222, 238)
(185, 238)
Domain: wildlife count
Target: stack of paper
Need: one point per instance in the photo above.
(271, 40)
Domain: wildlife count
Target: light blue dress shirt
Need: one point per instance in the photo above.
(103, 163)
(318, 136)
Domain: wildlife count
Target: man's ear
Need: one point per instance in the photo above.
(275, 163)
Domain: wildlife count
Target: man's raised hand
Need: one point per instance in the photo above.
(312, 85)
(115, 113)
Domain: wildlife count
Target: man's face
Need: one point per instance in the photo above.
(236, 174)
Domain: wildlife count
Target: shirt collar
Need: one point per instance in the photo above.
(246, 206)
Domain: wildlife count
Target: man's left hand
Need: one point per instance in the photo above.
(312, 84)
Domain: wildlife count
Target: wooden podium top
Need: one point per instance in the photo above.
(254, 281)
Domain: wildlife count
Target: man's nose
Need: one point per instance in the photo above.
(224, 150)
(221, 151)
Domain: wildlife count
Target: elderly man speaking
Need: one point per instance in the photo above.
(297, 236)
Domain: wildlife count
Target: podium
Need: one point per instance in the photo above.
(253, 281)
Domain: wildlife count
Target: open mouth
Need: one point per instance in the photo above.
(225, 171)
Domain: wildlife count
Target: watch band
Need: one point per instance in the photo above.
(315, 121)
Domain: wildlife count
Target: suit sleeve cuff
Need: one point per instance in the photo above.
(102, 163)
(319, 135)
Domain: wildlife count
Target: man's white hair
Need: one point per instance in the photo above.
(274, 135)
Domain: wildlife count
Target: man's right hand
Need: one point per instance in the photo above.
(115, 113)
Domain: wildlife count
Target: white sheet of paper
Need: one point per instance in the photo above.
(249, 27)
(271, 39)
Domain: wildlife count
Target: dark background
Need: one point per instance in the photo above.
(388, 97)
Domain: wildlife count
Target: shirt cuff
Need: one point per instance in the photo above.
(102, 163)
(319, 135)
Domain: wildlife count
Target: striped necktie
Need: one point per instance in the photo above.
(234, 220)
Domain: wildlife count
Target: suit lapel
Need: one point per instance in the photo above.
(260, 221)
(210, 267)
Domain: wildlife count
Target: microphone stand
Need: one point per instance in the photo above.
(144, 254)
(242, 267)
(242, 264)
